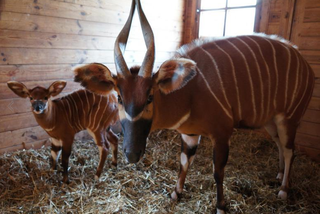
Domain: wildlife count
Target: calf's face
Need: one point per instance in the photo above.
(38, 96)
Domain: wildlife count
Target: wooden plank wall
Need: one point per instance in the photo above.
(299, 22)
(44, 40)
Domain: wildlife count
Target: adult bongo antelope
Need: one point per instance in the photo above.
(208, 89)
(63, 118)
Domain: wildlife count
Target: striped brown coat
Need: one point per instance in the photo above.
(209, 88)
(64, 117)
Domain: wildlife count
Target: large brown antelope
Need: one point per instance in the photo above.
(63, 118)
(208, 89)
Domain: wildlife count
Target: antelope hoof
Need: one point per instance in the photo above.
(282, 195)
(96, 177)
(65, 180)
(175, 196)
(220, 211)
(280, 176)
(114, 164)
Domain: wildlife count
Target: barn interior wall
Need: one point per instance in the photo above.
(44, 40)
(299, 22)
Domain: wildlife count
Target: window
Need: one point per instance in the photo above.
(226, 17)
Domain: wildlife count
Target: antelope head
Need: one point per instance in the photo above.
(39, 96)
(135, 86)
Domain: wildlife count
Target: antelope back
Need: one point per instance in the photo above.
(85, 110)
(252, 78)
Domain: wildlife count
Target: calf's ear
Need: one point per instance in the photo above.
(19, 89)
(96, 78)
(56, 87)
(175, 74)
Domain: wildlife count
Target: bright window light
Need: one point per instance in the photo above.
(213, 4)
(240, 21)
(226, 17)
(211, 23)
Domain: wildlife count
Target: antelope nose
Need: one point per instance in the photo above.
(133, 157)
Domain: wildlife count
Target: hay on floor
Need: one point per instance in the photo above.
(28, 186)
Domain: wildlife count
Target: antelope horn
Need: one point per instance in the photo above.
(121, 43)
(148, 61)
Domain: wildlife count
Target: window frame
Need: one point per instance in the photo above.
(192, 18)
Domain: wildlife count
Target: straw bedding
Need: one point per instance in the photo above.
(28, 186)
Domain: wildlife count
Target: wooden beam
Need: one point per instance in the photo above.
(191, 21)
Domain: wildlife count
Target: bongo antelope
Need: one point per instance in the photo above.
(207, 89)
(63, 118)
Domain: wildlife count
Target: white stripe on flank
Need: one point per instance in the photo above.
(83, 112)
(296, 82)
(76, 118)
(234, 77)
(102, 116)
(208, 86)
(219, 75)
(91, 109)
(260, 77)
(73, 118)
(97, 111)
(276, 71)
(181, 121)
(65, 110)
(250, 81)
(287, 75)
(106, 122)
(304, 92)
(268, 73)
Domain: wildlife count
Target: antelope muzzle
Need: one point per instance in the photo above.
(38, 106)
(135, 139)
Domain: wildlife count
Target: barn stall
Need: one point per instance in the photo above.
(42, 41)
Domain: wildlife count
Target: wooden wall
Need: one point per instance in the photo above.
(299, 22)
(43, 40)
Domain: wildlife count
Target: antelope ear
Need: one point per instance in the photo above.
(18, 88)
(56, 87)
(175, 74)
(96, 78)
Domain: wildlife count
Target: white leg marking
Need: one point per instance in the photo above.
(184, 161)
(280, 176)
(287, 153)
(250, 80)
(272, 130)
(191, 141)
(220, 211)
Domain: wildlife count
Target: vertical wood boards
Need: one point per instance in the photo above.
(43, 41)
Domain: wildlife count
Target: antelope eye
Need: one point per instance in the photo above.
(31, 98)
(45, 98)
(150, 99)
(119, 100)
